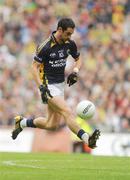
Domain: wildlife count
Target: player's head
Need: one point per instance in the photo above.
(65, 28)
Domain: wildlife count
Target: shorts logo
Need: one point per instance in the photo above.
(52, 55)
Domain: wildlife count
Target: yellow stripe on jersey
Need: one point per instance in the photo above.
(67, 42)
(42, 75)
(42, 45)
(52, 44)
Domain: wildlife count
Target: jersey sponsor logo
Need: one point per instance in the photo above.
(58, 63)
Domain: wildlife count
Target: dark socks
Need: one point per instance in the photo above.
(30, 123)
(80, 133)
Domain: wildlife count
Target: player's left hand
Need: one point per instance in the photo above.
(72, 78)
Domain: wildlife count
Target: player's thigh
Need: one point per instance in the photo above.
(58, 104)
(52, 114)
(54, 117)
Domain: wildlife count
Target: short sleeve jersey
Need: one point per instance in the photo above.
(53, 56)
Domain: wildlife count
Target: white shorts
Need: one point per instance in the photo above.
(57, 89)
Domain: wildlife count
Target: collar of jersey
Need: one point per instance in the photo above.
(53, 37)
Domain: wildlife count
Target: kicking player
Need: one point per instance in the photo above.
(48, 69)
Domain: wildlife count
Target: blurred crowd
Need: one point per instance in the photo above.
(103, 37)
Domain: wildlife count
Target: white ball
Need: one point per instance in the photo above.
(85, 109)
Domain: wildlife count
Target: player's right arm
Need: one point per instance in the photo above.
(35, 72)
(36, 69)
(38, 61)
(36, 64)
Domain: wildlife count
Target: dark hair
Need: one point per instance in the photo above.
(65, 23)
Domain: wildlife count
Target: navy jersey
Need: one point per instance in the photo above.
(53, 57)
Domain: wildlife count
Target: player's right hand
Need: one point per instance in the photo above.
(45, 93)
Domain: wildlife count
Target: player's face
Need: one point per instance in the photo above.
(66, 35)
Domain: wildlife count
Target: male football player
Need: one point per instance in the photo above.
(48, 69)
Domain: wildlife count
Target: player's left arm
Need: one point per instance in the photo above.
(73, 77)
(77, 65)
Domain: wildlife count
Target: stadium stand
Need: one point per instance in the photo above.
(103, 37)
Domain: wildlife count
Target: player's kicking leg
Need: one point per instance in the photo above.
(61, 107)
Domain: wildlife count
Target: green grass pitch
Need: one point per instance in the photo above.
(55, 166)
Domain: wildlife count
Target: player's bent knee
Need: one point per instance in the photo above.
(52, 126)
